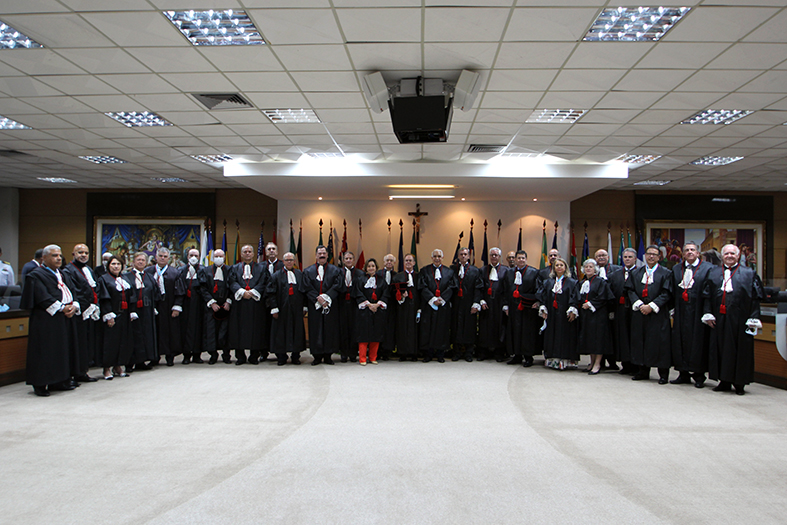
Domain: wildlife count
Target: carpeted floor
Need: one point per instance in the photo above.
(394, 443)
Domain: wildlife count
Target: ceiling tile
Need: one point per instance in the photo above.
(286, 26)
(607, 55)
(172, 59)
(269, 81)
(527, 55)
(705, 24)
(717, 80)
(200, 82)
(653, 79)
(509, 99)
(104, 60)
(520, 79)
(241, 58)
(460, 56)
(550, 24)
(138, 83)
(772, 30)
(336, 100)
(380, 25)
(454, 24)
(58, 30)
(375, 56)
(586, 80)
(137, 29)
(39, 62)
(694, 55)
(26, 87)
(326, 81)
(313, 57)
(270, 100)
(78, 84)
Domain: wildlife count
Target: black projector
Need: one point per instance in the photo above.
(420, 119)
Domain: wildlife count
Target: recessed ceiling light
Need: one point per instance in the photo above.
(722, 199)
(638, 159)
(421, 186)
(421, 196)
(134, 119)
(556, 116)
(56, 180)
(535, 200)
(169, 179)
(102, 159)
(7, 123)
(216, 28)
(634, 24)
(325, 155)
(463, 198)
(10, 38)
(652, 182)
(715, 161)
(718, 116)
(291, 116)
(521, 155)
(319, 198)
(212, 159)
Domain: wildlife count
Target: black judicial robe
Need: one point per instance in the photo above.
(389, 341)
(621, 325)
(406, 337)
(88, 330)
(690, 336)
(323, 327)
(144, 328)
(247, 329)
(491, 323)
(594, 326)
(651, 334)
(560, 335)
(464, 325)
(215, 290)
(51, 337)
(348, 311)
(193, 315)
(287, 332)
(118, 339)
(167, 327)
(434, 332)
(266, 267)
(523, 320)
(731, 356)
(370, 327)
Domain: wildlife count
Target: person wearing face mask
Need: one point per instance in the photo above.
(322, 284)
(215, 294)
(118, 299)
(437, 284)
(521, 308)
(49, 295)
(144, 328)
(191, 321)
(167, 308)
(491, 323)
(690, 337)
(559, 298)
(387, 345)
(649, 288)
(465, 308)
(88, 325)
(621, 313)
(101, 269)
(247, 290)
(287, 305)
(406, 298)
(732, 295)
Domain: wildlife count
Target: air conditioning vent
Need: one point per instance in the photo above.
(217, 101)
(485, 148)
(13, 154)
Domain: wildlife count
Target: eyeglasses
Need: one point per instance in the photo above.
(651, 253)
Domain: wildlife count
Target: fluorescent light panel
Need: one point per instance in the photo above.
(7, 123)
(169, 179)
(718, 116)
(134, 119)
(555, 116)
(325, 155)
(652, 182)
(56, 180)
(291, 116)
(638, 159)
(422, 186)
(226, 27)
(102, 159)
(715, 161)
(208, 159)
(634, 24)
(420, 196)
(10, 38)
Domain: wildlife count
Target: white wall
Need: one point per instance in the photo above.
(439, 229)
(9, 227)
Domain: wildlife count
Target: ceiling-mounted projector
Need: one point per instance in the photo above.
(421, 108)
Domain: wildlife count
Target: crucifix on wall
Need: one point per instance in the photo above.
(417, 214)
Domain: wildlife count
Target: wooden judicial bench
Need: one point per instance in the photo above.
(769, 366)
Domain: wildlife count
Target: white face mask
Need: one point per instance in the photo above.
(218, 260)
(193, 261)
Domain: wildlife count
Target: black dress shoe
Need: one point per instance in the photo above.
(516, 360)
(213, 360)
(639, 377)
(455, 358)
(344, 359)
(227, 359)
(317, 360)
(723, 386)
(61, 387)
(739, 390)
(699, 384)
(281, 363)
(239, 362)
(402, 359)
(170, 361)
(681, 380)
(72, 383)
(84, 378)
(427, 359)
(295, 361)
(663, 381)
(254, 361)
(528, 363)
(440, 360)
(186, 360)
(353, 359)
(469, 359)
(197, 360)
(592, 373)
(142, 366)
(327, 360)
(41, 391)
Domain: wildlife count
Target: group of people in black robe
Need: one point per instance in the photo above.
(129, 320)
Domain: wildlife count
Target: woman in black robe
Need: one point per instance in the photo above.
(594, 298)
(144, 328)
(559, 298)
(371, 296)
(403, 289)
(118, 300)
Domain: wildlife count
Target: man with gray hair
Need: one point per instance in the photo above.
(689, 334)
(732, 297)
(168, 308)
(49, 295)
(621, 312)
(436, 283)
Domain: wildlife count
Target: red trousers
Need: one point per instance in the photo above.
(372, 351)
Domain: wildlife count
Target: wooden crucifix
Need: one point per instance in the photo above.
(417, 214)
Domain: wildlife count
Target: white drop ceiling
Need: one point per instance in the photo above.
(124, 55)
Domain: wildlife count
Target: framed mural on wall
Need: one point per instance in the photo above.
(124, 236)
(671, 236)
